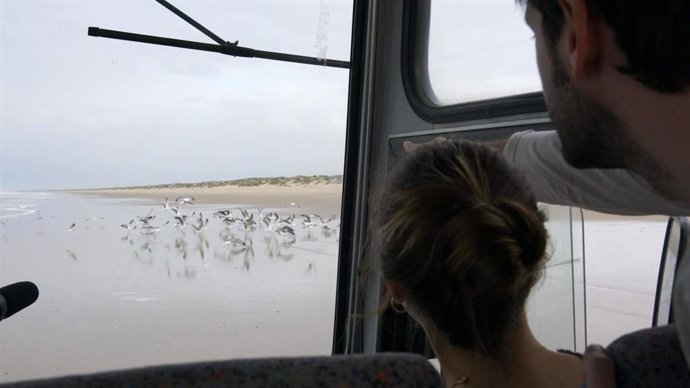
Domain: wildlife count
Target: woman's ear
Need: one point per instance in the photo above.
(395, 291)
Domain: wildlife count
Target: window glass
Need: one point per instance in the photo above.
(479, 49)
(615, 304)
(178, 256)
(623, 255)
(553, 308)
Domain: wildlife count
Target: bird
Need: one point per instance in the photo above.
(182, 220)
(222, 213)
(326, 230)
(128, 225)
(286, 230)
(147, 218)
(71, 254)
(329, 219)
(71, 227)
(287, 220)
(188, 200)
(200, 224)
(307, 222)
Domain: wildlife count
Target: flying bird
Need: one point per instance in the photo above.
(189, 200)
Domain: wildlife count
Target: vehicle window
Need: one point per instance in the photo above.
(556, 307)
(618, 304)
(171, 205)
(615, 304)
(478, 50)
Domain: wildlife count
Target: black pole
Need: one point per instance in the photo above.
(227, 49)
(193, 22)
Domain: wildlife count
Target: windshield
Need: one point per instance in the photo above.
(171, 205)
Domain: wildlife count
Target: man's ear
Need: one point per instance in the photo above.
(395, 291)
(581, 37)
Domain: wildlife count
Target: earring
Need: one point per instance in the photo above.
(398, 307)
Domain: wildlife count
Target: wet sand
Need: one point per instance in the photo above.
(112, 298)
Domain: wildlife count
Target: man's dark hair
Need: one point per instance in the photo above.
(654, 35)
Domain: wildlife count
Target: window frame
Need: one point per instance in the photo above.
(346, 294)
(417, 86)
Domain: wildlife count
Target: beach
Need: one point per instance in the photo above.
(310, 198)
(114, 296)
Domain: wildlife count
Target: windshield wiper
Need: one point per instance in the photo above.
(222, 46)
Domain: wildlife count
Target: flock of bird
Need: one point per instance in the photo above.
(237, 230)
(283, 233)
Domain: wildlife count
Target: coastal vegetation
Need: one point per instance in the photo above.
(299, 180)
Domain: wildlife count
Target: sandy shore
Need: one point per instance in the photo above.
(319, 198)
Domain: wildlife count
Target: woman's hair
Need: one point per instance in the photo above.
(460, 232)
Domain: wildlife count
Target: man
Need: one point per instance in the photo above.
(616, 78)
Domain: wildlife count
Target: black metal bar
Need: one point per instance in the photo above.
(347, 258)
(193, 22)
(227, 49)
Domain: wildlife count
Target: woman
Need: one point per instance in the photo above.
(462, 243)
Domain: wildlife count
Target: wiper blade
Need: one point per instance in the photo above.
(223, 47)
(193, 22)
(228, 49)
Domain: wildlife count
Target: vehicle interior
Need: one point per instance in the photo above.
(417, 70)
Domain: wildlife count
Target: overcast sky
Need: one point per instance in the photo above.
(79, 111)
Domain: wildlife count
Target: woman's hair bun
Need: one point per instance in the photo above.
(460, 232)
(508, 242)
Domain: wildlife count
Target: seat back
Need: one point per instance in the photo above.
(378, 370)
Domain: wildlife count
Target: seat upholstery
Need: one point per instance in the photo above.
(378, 370)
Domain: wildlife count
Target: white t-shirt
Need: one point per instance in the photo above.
(615, 191)
(553, 180)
